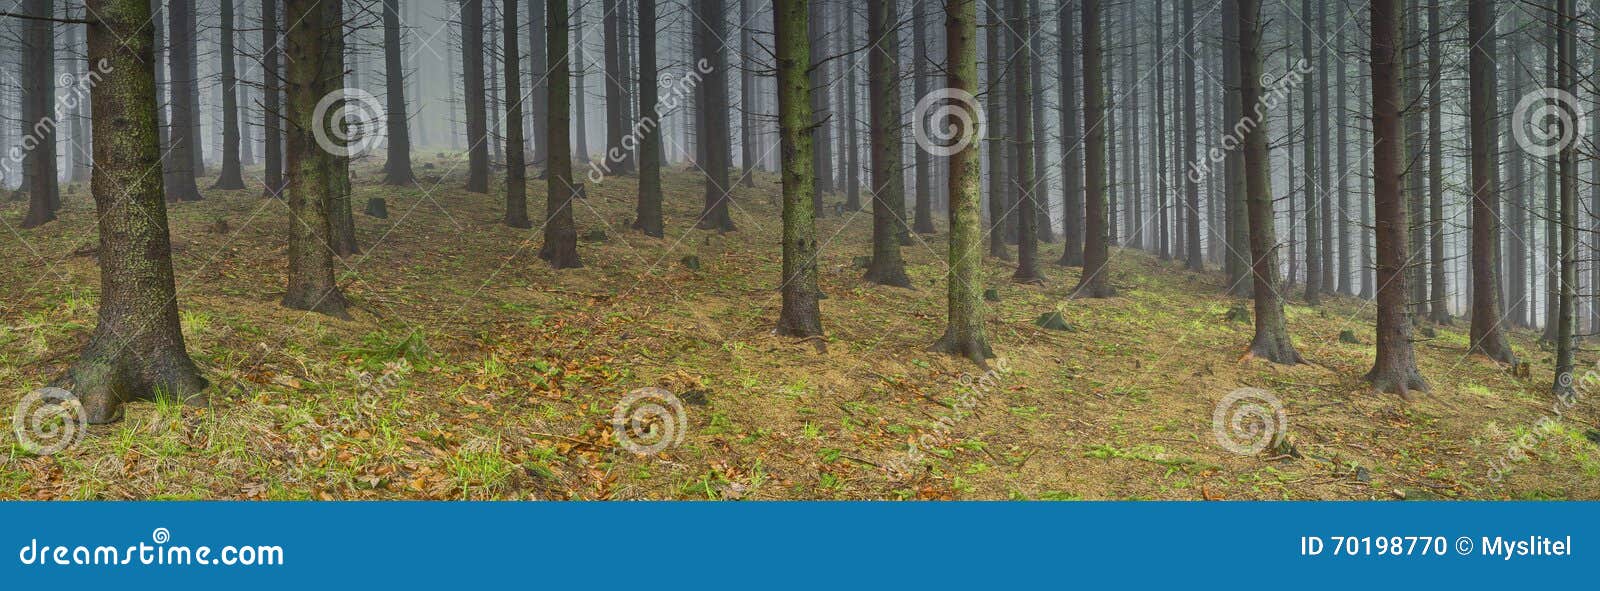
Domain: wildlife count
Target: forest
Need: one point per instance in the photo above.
(800, 249)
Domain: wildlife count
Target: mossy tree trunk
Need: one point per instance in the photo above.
(801, 316)
(963, 334)
(312, 70)
(1271, 341)
(136, 351)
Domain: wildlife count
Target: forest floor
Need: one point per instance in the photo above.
(473, 371)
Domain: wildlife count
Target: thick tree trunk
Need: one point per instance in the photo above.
(231, 177)
(1271, 341)
(801, 316)
(341, 216)
(1439, 305)
(994, 95)
(136, 351)
(1239, 260)
(1093, 282)
(560, 247)
(397, 167)
(312, 71)
(1395, 369)
(1487, 338)
(964, 335)
(649, 209)
(888, 179)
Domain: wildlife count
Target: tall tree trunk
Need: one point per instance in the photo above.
(1345, 276)
(560, 247)
(852, 121)
(1395, 369)
(1040, 188)
(271, 109)
(1239, 263)
(1071, 142)
(963, 334)
(1093, 282)
(888, 179)
(1271, 341)
(1325, 197)
(714, 134)
(1439, 305)
(1191, 187)
(822, 153)
(1309, 185)
(1487, 338)
(341, 218)
(1163, 242)
(1416, 269)
(618, 158)
(1022, 127)
(313, 70)
(649, 208)
(801, 316)
(516, 158)
(747, 97)
(231, 177)
(922, 211)
(1567, 81)
(38, 126)
(136, 351)
(475, 96)
(999, 207)
(539, 94)
(182, 139)
(397, 168)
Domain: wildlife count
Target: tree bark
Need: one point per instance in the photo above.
(136, 351)
(1022, 128)
(38, 125)
(560, 247)
(231, 177)
(1487, 338)
(1071, 143)
(397, 168)
(313, 69)
(801, 316)
(964, 334)
(516, 158)
(712, 59)
(271, 109)
(1271, 341)
(475, 96)
(649, 208)
(1093, 283)
(1395, 369)
(888, 179)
